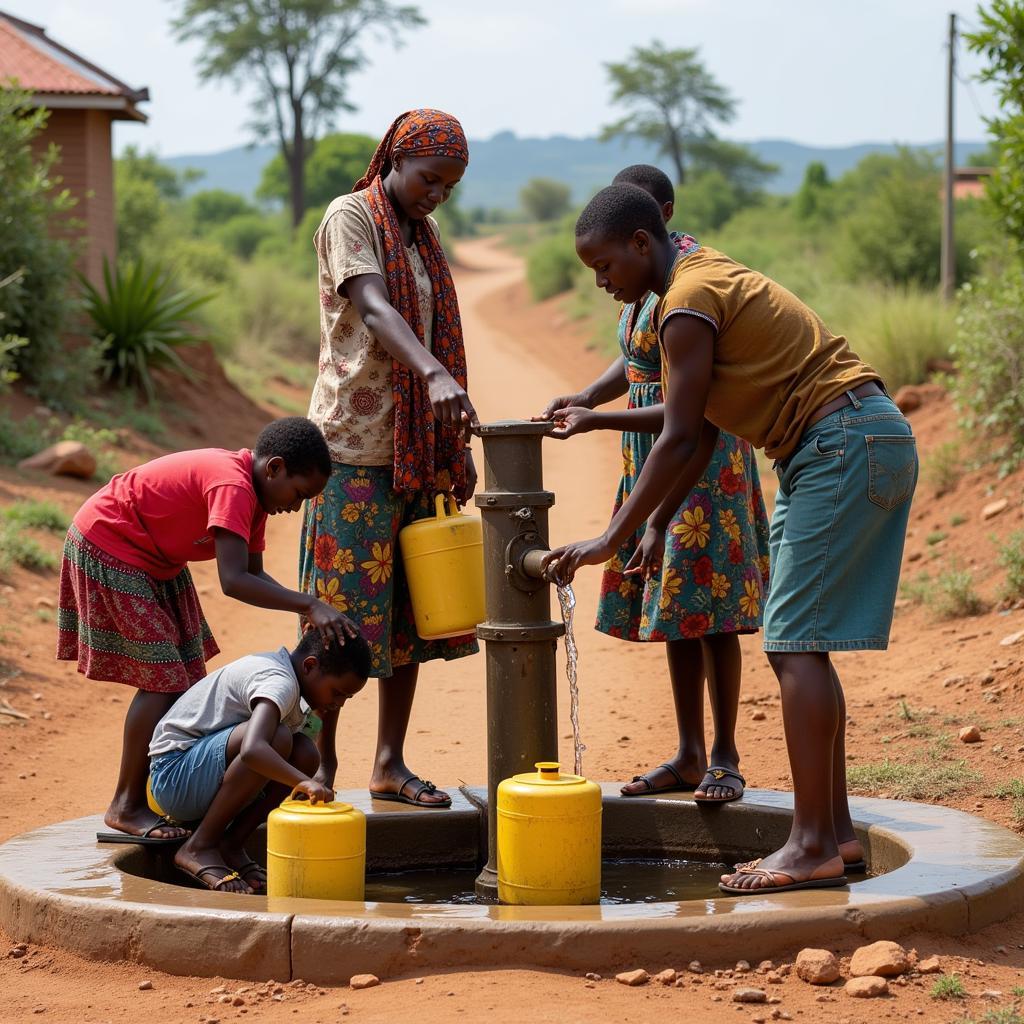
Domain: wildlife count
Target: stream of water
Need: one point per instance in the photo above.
(567, 600)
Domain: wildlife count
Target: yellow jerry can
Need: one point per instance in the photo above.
(444, 564)
(549, 838)
(316, 850)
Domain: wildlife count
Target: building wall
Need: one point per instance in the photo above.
(87, 169)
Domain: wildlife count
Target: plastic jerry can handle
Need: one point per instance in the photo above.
(439, 505)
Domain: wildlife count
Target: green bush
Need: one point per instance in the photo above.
(1011, 558)
(953, 595)
(943, 467)
(139, 319)
(212, 207)
(243, 234)
(989, 353)
(36, 265)
(545, 199)
(552, 266)
(37, 515)
(17, 549)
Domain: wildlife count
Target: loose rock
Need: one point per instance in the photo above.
(993, 508)
(742, 967)
(1013, 638)
(749, 995)
(817, 966)
(695, 967)
(970, 734)
(363, 981)
(145, 986)
(884, 959)
(633, 978)
(666, 977)
(867, 988)
(991, 993)
(65, 458)
(591, 976)
(930, 966)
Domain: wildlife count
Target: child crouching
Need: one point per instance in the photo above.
(214, 753)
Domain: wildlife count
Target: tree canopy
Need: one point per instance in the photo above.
(297, 55)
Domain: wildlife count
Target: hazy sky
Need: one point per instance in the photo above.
(827, 72)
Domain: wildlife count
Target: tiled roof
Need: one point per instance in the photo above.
(45, 67)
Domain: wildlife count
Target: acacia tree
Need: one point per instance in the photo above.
(674, 101)
(297, 54)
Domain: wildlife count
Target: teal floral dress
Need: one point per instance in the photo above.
(715, 569)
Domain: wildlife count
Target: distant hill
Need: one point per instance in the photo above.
(501, 165)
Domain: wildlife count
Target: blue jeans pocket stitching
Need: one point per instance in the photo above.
(890, 485)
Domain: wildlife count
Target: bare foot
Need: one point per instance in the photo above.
(134, 821)
(207, 867)
(851, 851)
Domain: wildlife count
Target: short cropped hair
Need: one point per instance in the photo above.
(298, 442)
(336, 659)
(650, 178)
(619, 210)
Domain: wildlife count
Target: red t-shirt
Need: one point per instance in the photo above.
(160, 516)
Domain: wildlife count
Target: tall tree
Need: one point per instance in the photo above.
(297, 54)
(673, 98)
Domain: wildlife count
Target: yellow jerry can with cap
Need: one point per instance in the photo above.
(444, 564)
(549, 838)
(316, 850)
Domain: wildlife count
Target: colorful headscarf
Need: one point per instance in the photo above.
(428, 456)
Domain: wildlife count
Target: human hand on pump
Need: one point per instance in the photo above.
(561, 563)
(316, 791)
(562, 402)
(646, 560)
(573, 419)
(450, 403)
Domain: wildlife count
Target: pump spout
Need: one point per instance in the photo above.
(532, 564)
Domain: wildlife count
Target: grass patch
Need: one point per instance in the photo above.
(45, 615)
(950, 595)
(21, 438)
(36, 515)
(1011, 558)
(948, 986)
(17, 549)
(1017, 991)
(958, 520)
(935, 538)
(943, 468)
(912, 780)
(1004, 1015)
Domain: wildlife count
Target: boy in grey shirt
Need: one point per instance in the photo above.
(230, 749)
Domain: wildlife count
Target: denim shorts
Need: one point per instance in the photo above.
(184, 782)
(838, 530)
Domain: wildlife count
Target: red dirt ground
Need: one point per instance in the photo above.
(60, 762)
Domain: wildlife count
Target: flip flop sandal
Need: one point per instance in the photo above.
(790, 886)
(854, 867)
(680, 786)
(401, 798)
(260, 889)
(146, 839)
(216, 887)
(717, 774)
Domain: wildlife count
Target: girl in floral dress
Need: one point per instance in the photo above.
(390, 398)
(715, 567)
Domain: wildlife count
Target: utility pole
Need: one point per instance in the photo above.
(947, 270)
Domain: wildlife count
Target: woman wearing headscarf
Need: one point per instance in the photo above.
(391, 400)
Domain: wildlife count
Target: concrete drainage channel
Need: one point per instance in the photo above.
(933, 869)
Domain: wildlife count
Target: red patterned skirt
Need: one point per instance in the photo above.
(123, 625)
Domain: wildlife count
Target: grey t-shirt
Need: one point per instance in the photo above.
(227, 697)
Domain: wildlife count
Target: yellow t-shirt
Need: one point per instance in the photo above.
(775, 362)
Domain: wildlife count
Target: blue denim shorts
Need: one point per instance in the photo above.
(838, 530)
(184, 782)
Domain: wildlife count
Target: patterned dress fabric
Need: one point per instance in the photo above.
(125, 626)
(715, 569)
(349, 558)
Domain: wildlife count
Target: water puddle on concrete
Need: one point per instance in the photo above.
(622, 882)
(567, 600)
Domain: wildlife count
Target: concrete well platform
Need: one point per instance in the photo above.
(934, 869)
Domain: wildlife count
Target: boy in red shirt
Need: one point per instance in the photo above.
(129, 612)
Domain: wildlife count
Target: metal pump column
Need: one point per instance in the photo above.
(520, 638)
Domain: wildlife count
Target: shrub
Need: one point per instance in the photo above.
(37, 515)
(1011, 558)
(139, 320)
(943, 468)
(953, 595)
(948, 986)
(17, 549)
(551, 266)
(243, 234)
(989, 352)
(545, 198)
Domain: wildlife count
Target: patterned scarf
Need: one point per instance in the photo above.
(428, 456)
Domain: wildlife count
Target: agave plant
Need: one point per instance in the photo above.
(139, 319)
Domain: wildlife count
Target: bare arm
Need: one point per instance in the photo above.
(237, 581)
(577, 420)
(448, 400)
(326, 743)
(258, 753)
(678, 457)
(610, 385)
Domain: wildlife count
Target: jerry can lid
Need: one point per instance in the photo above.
(305, 807)
(548, 774)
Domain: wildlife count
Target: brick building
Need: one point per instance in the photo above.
(83, 101)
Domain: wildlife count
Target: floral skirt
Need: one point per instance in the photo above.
(715, 570)
(123, 625)
(347, 557)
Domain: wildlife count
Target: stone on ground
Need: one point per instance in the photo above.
(145, 986)
(993, 508)
(970, 734)
(633, 978)
(817, 966)
(867, 988)
(363, 980)
(749, 995)
(884, 959)
(930, 966)
(65, 458)
(666, 977)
